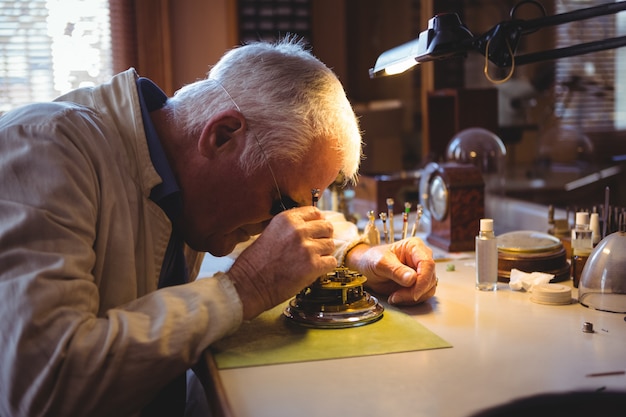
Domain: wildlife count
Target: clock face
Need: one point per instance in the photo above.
(438, 198)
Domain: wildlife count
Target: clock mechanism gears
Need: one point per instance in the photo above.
(335, 300)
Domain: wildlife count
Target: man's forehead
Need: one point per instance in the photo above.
(319, 168)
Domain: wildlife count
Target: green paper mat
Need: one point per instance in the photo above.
(271, 339)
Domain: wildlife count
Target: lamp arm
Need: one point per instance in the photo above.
(504, 37)
(575, 50)
(573, 16)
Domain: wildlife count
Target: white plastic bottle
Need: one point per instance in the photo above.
(582, 245)
(486, 257)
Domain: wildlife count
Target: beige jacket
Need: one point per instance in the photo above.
(81, 240)
(83, 331)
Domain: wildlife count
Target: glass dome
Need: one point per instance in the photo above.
(561, 147)
(483, 149)
(603, 281)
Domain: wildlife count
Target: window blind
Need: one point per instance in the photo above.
(586, 84)
(269, 19)
(48, 47)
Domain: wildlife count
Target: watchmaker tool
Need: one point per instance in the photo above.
(371, 231)
(607, 193)
(390, 204)
(335, 300)
(405, 219)
(418, 217)
(315, 196)
(383, 217)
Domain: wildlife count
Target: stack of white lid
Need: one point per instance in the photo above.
(553, 294)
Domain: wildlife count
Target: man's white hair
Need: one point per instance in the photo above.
(290, 99)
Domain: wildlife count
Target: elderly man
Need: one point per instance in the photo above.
(110, 195)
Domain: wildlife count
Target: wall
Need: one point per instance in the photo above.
(201, 31)
(374, 27)
(178, 40)
(329, 35)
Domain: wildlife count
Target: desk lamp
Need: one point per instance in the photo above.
(447, 37)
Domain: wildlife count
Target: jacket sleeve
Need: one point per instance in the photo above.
(59, 354)
(346, 235)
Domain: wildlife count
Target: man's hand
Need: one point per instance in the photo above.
(294, 249)
(403, 270)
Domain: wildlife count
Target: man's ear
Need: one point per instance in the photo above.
(222, 131)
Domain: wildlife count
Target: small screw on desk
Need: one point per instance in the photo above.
(588, 327)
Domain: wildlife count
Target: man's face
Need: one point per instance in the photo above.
(239, 207)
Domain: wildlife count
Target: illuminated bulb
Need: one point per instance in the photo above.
(401, 66)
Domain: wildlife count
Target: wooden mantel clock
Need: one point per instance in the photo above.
(454, 194)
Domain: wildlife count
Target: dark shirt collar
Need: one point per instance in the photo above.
(167, 193)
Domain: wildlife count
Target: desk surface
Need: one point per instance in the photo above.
(505, 347)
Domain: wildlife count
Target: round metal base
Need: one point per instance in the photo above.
(336, 319)
(336, 300)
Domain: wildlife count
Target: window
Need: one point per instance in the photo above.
(269, 19)
(587, 86)
(48, 47)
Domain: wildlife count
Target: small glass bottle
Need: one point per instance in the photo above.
(486, 257)
(582, 245)
(594, 225)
